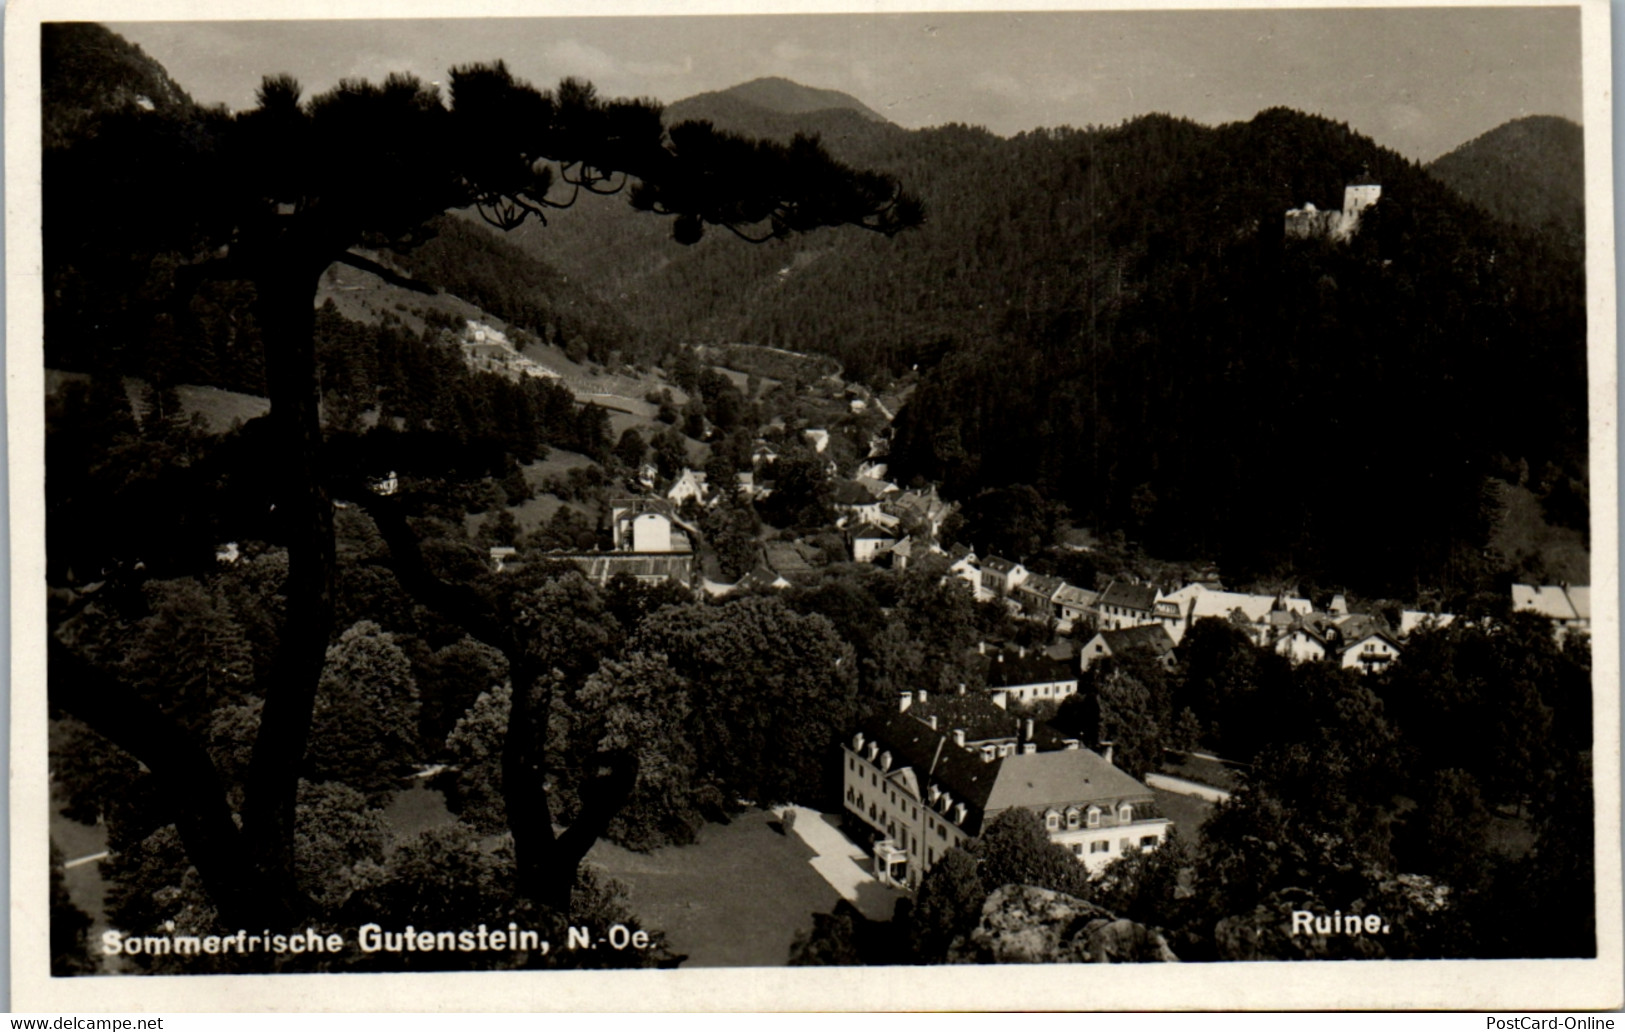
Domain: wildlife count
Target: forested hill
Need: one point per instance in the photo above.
(88, 72)
(111, 307)
(1176, 367)
(775, 94)
(1530, 172)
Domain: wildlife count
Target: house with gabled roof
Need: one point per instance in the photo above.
(1019, 675)
(931, 774)
(1126, 604)
(1106, 644)
(1250, 613)
(1037, 595)
(1072, 604)
(870, 542)
(1358, 641)
(1001, 577)
(922, 510)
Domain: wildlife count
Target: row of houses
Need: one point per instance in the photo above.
(1285, 623)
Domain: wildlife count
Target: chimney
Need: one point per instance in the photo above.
(919, 696)
(932, 720)
(1028, 748)
(1027, 730)
(1022, 649)
(1106, 751)
(961, 687)
(857, 742)
(903, 702)
(959, 737)
(981, 648)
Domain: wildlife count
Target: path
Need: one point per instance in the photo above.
(841, 863)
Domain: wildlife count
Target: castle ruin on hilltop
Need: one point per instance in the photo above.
(1309, 221)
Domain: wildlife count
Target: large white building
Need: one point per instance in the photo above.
(932, 774)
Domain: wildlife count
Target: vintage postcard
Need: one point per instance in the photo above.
(883, 506)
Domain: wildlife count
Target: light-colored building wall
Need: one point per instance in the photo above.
(651, 532)
(1370, 653)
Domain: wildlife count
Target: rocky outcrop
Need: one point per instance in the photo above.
(1025, 925)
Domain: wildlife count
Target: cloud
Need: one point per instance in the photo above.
(573, 57)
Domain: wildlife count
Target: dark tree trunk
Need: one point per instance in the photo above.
(547, 863)
(192, 791)
(285, 306)
(524, 780)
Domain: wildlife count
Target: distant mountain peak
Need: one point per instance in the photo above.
(784, 96)
(1529, 171)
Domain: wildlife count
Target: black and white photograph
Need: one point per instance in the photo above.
(952, 496)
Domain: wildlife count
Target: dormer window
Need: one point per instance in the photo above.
(1052, 821)
(1094, 816)
(1125, 813)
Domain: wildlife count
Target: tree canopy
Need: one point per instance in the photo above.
(270, 198)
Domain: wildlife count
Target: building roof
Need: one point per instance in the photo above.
(870, 531)
(760, 577)
(788, 557)
(1043, 585)
(998, 565)
(1057, 777)
(1411, 619)
(1580, 599)
(1077, 598)
(1060, 777)
(1010, 669)
(1153, 636)
(1129, 596)
(1199, 600)
(1549, 600)
(601, 566)
(847, 492)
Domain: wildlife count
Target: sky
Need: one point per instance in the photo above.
(1418, 80)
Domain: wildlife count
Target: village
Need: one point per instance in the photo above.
(930, 775)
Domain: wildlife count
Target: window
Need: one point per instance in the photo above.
(1094, 816)
(942, 831)
(1052, 821)
(930, 855)
(1072, 818)
(1125, 813)
(1124, 845)
(1100, 847)
(1077, 849)
(1148, 842)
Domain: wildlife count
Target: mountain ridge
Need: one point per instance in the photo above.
(778, 95)
(1529, 171)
